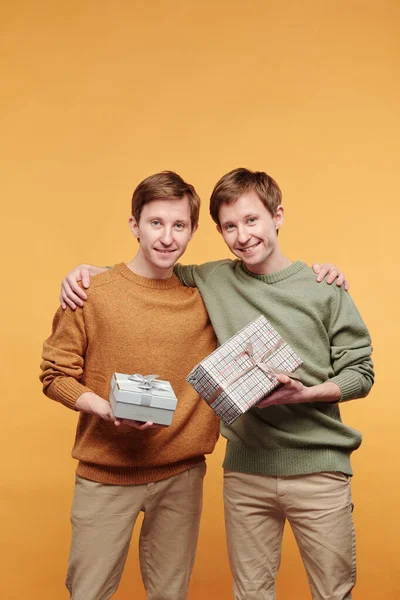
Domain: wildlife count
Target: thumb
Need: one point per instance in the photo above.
(85, 278)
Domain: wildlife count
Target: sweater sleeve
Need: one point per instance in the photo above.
(186, 274)
(350, 348)
(63, 358)
(195, 275)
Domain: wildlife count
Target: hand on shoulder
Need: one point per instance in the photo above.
(331, 274)
(72, 294)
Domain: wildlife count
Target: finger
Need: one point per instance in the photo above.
(117, 422)
(340, 280)
(262, 403)
(63, 304)
(284, 379)
(265, 402)
(72, 281)
(146, 425)
(68, 301)
(85, 278)
(316, 267)
(346, 285)
(134, 424)
(324, 270)
(333, 274)
(68, 293)
(108, 416)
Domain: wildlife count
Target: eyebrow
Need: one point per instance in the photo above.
(229, 222)
(158, 218)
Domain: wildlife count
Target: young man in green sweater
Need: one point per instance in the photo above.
(289, 457)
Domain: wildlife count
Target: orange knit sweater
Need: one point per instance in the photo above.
(130, 324)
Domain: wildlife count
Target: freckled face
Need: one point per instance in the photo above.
(164, 230)
(250, 232)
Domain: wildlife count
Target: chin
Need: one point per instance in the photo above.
(165, 264)
(251, 260)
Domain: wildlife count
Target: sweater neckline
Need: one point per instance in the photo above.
(155, 284)
(279, 275)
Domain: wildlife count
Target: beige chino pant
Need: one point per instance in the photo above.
(319, 510)
(102, 519)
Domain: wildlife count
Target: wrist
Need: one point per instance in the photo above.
(82, 404)
(326, 392)
(93, 270)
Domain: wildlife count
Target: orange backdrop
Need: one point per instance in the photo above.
(96, 96)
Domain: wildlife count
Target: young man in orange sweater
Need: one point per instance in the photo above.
(138, 318)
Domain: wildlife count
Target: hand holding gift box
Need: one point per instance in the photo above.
(243, 370)
(142, 398)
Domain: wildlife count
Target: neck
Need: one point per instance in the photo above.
(274, 263)
(141, 266)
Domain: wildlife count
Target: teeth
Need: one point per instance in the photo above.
(248, 248)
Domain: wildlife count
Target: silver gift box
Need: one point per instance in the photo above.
(243, 370)
(142, 398)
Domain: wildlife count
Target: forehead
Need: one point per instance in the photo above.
(174, 208)
(248, 203)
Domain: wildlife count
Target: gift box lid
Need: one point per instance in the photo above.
(143, 390)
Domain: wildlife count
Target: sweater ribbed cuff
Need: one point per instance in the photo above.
(349, 385)
(67, 390)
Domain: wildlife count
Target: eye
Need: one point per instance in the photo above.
(155, 222)
(252, 220)
(229, 227)
(179, 226)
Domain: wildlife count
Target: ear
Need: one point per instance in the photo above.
(279, 217)
(219, 228)
(134, 227)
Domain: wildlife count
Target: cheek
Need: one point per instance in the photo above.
(183, 240)
(228, 238)
(149, 239)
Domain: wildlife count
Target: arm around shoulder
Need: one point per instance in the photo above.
(192, 275)
(72, 293)
(185, 274)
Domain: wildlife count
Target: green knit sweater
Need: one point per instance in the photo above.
(323, 326)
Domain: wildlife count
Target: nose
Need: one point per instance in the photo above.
(242, 235)
(166, 237)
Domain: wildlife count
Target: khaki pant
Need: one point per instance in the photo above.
(318, 508)
(102, 519)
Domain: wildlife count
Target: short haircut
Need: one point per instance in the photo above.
(165, 186)
(240, 181)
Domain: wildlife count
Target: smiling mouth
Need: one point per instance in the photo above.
(248, 248)
(165, 251)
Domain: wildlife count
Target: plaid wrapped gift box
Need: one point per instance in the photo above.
(243, 370)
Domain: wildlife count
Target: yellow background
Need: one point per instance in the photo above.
(96, 96)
